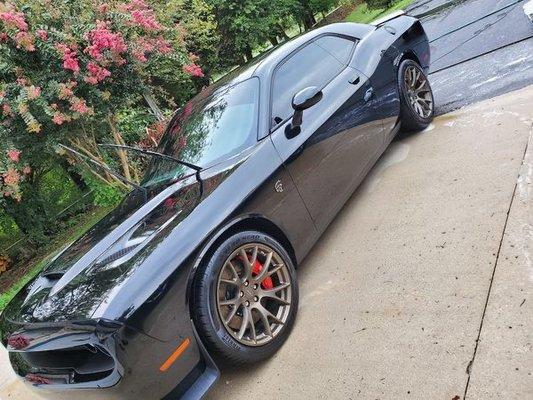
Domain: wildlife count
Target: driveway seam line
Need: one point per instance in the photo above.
(471, 362)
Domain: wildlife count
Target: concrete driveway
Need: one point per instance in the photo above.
(394, 296)
(421, 287)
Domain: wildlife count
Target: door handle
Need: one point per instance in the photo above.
(369, 94)
(355, 80)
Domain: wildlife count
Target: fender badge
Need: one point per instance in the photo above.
(278, 186)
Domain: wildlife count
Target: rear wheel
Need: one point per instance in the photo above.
(416, 97)
(246, 298)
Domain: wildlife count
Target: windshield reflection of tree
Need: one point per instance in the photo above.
(187, 138)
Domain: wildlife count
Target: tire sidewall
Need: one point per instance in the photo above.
(218, 338)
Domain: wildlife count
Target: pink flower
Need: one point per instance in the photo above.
(96, 73)
(162, 45)
(11, 177)
(103, 8)
(70, 62)
(26, 170)
(69, 57)
(6, 110)
(3, 37)
(33, 92)
(139, 55)
(79, 106)
(193, 70)
(22, 81)
(101, 39)
(65, 90)
(142, 15)
(43, 35)
(58, 118)
(24, 40)
(13, 155)
(14, 20)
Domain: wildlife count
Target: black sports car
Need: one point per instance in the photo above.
(199, 260)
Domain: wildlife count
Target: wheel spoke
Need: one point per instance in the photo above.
(231, 314)
(247, 264)
(244, 323)
(276, 289)
(252, 327)
(263, 273)
(276, 298)
(268, 315)
(230, 282)
(421, 85)
(264, 319)
(233, 270)
(230, 302)
(254, 254)
(274, 270)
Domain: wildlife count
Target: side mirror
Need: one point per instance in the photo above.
(301, 101)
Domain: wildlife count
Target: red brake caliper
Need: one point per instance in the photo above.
(267, 282)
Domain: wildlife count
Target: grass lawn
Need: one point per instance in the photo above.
(363, 15)
(19, 275)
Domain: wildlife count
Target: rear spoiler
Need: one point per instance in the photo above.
(386, 18)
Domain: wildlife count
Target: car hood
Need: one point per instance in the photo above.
(75, 283)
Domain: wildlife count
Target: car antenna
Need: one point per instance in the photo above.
(107, 169)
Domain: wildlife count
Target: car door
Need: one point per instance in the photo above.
(340, 137)
(377, 59)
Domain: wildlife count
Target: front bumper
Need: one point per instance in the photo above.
(91, 362)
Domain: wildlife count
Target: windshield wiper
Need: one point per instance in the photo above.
(107, 169)
(152, 153)
(194, 167)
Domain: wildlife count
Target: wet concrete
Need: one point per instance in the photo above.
(498, 72)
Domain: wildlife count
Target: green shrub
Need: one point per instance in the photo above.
(375, 4)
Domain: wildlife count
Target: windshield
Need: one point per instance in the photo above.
(215, 125)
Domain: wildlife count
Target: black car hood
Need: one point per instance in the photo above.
(77, 281)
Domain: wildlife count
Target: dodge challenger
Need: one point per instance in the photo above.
(197, 266)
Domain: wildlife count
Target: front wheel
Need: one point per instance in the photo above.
(246, 298)
(416, 97)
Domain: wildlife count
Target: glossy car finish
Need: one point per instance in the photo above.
(110, 321)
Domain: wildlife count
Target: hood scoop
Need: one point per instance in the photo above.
(96, 253)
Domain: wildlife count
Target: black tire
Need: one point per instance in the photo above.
(410, 119)
(208, 322)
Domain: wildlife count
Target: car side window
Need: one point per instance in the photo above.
(339, 47)
(315, 64)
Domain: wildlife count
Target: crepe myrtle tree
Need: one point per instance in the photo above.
(67, 69)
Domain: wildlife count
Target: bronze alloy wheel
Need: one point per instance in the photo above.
(418, 92)
(253, 294)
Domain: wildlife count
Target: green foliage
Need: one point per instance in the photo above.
(58, 190)
(103, 193)
(376, 4)
(364, 15)
(132, 123)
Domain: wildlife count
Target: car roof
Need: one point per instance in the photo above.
(263, 65)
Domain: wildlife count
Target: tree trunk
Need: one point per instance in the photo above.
(282, 33)
(248, 53)
(74, 175)
(273, 40)
(121, 153)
